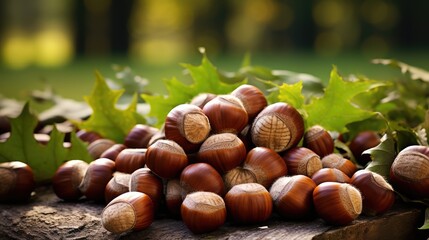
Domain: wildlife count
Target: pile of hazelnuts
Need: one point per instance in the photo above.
(234, 157)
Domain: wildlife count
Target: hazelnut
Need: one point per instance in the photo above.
(252, 98)
(293, 196)
(378, 196)
(203, 212)
(67, 179)
(143, 180)
(201, 177)
(226, 114)
(17, 182)
(319, 141)
(337, 161)
(266, 164)
(129, 211)
(188, 126)
(130, 159)
(139, 136)
(301, 160)
(337, 203)
(166, 159)
(117, 185)
(223, 151)
(279, 127)
(96, 177)
(249, 203)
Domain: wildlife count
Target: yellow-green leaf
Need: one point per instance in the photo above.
(206, 79)
(335, 109)
(106, 119)
(291, 94)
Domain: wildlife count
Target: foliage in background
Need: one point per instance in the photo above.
(128, 81)
(43, 159)
(335, 109)
(206, 79)
(106, 119)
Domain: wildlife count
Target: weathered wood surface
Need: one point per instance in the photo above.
(47, 217)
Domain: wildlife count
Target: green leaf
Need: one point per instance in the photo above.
(405, 138)
(206, 79)
(106, 119)
(345, 150)
(43, 159)
(335, 109)
(382, 156)
(377, 123)
(291, 94)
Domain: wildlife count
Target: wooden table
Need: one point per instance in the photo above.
(47, 217)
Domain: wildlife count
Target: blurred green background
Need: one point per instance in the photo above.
(62, 43)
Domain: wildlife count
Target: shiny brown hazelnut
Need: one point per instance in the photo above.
(301, 160)
(96, 177)
(160, 134)
(226, 114)
(361, 142)
(139, 136)
(237, 176)
(249, 203)
(201, 177)
(87, 136)
(130, 159)
(203, 212)
(330, 175)
(129, 211)
(337, 161)
(188, 126)
(166, 159)
(223, 151)
(117, 185)
(96, 148)
(417, 148)
(246, 138)
(409, 173)
(173, 196)
(293, 196)
(279, 127)
(266, 164)
(378, 195)
(17, 182)
(201, 99)
(253, 99)
(319, 141)
(113, 151)
(67, 179)
(143, 180)
(337, 203)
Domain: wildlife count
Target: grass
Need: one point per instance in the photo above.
(76, 79)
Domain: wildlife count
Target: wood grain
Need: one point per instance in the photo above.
(47, 217)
